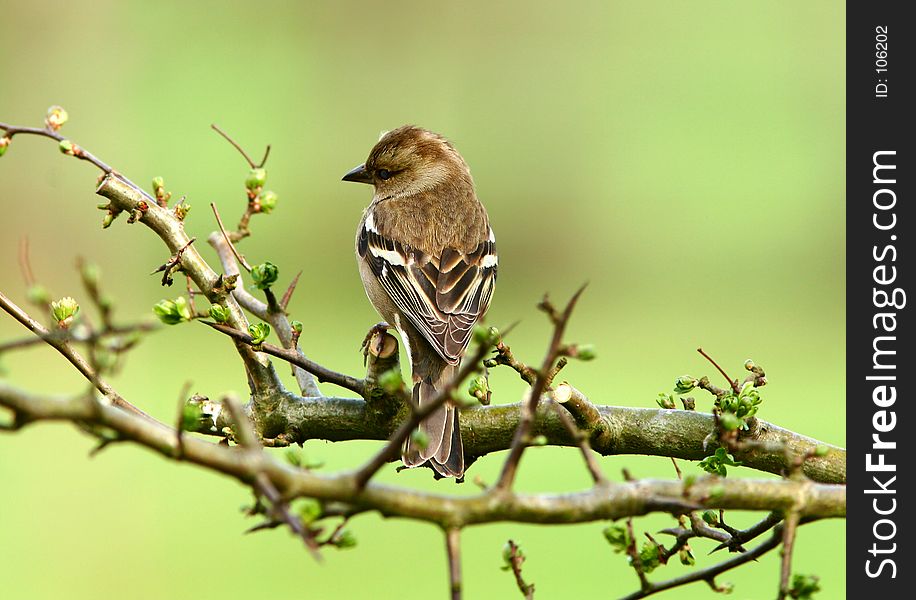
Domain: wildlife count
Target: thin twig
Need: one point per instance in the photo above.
(453, 549)
(515, 560)
(635, 560)
(291, 355)
(78, 151)
(788, 545)
(66, 350)
(677, 469)
(242, 151)
(25, 264)
(731, 382)
(222, 229)
(520, 439)
(709, 574)
(581, 439)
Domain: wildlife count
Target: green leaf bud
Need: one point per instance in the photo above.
(507, 553)
(479, 387)
(56, 117)
(684, 384)
(259, 333)
(586, 352)
(665, 401)
(268, 201)
(256, 179)
(309, 510)
(219, 313)
(617, 536)
(488, 336)
(264, 275)
(345, 539)
(730, 422)
(64, 310)
(191, 415)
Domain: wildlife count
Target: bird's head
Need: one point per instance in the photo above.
(410, 160)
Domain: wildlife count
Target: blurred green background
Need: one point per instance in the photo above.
(685, 158)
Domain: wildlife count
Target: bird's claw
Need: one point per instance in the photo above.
(379, 327)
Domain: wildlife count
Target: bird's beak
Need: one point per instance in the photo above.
(358, 174)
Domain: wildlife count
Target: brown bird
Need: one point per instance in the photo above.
(427, 258)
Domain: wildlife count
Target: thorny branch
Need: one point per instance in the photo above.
(562, 415)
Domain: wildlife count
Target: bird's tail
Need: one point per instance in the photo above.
(444, 449)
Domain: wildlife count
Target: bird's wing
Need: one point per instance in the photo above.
(443, 297)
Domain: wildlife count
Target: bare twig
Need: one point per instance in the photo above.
(453, 549)
(77, 151)
(520, 440)
(731, 382)
(251, 163)
(229, 243)
(25, 263)
(635, 560)
(788, 546)
(172, 264)
(292, 356)
(585, 448)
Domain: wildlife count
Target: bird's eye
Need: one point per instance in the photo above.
(384, 174)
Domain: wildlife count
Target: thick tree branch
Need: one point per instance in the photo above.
(620, 430)
(621, 500)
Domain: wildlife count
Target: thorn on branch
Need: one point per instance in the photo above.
(288, 294)
(172, 265)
